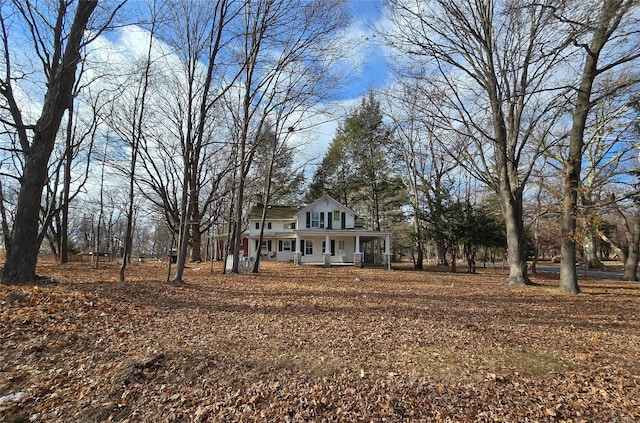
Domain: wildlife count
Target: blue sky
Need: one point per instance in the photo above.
(370, 73)
(373, 72)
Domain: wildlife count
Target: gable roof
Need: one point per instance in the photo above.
(273, 212)
(331, 200)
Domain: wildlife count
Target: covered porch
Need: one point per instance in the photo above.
(342, 247)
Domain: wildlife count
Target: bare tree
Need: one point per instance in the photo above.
(70, 163)
(127, 117)
(485, 70)
(610, 159)
(607, 33)
(58, 36)
(208, 48)
(539, 209)
(427, 168)
(79, 138)
(288, 49)
(629, 250)
(275, 173)
(96, 247)
(199, 36)
(610, 154)
(6, 232)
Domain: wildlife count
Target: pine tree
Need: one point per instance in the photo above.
(356, 169)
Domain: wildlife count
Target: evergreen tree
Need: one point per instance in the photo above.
(356, 170)
(334, 176)
(278, 178)
(461, 224)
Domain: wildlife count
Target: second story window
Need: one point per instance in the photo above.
(315, 219)
(257, 225)
(268, 225)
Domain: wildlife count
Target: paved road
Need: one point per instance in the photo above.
(594, 273)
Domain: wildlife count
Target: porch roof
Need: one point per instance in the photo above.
(270, 235)
(342, 232)
(273, 212)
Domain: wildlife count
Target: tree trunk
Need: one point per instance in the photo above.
(183, 240)
(453, 258)
(256, 263)
(606, 23)
(590, 252)
(22, 257)
(64, 224)
(96, 240)
(515, 253)
(417, 227)
(20, 267)
(533, 269)
(511, 205)
(237, 237)
(632, 258)
(183, 232)
(419, 264)
(631, 263)
(196, 243)
(568, 273)
(6, 232)
(136, 136)
(441, 251)
(128, 235)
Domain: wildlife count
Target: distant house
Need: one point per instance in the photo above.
(323, 232)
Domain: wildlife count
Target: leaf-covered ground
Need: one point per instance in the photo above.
(314, 344)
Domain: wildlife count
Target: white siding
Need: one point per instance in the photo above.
(327, 211)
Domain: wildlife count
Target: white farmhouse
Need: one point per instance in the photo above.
(323, 232)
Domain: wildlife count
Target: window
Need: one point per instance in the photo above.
(257, 225)
(284, 245)
(268, 225)
(308, 247)
(336, 215)
(293, 225)
(315, 219)
(265, 246)
(333, 247)
(341, 245)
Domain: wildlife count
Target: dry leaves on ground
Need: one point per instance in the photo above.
(314, 344)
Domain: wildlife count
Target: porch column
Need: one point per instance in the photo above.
(297, 254)
(357, 256)
(387, 251)
(327, 251)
